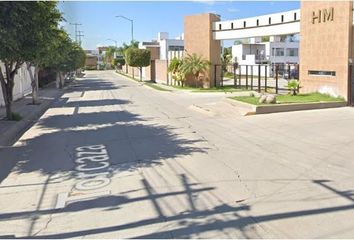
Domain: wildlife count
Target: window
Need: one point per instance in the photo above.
(292, 52)
(279, 52)
(175, 48)
(257, 22)
(295, 17)
(232, 25)
(244, 24)
(219, 26)
(322, 73)
(282, 18)
(270, 20)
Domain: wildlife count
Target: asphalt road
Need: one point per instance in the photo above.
(114, 159)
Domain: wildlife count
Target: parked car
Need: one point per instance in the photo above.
(294, 74)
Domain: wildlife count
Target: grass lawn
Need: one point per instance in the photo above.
(300, 98)
(214, 89)
(156, 86)
(149, 83)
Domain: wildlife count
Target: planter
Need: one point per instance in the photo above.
(250, 109)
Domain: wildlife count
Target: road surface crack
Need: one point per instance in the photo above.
(45, 227)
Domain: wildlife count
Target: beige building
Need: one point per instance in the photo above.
(326, 47)
(326, 39)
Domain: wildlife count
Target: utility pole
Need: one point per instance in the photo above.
(76, 31)
(79, 36)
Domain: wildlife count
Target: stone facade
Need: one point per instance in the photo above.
(326, 37)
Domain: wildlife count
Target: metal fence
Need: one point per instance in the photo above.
(262, 77)
(351, 85)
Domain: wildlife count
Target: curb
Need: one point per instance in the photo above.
(9, 137)
(250, 109)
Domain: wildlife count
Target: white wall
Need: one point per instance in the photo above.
(285, 58)
(22, 85)
(175, 54)
(289, 25)
(164, 45)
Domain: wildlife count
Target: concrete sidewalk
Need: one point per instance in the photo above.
(12, 130)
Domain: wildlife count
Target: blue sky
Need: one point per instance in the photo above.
(99, 22)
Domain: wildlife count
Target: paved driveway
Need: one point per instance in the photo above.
(115, 159)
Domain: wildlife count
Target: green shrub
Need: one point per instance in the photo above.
(139, 58)
(293, 86)
(16, 116)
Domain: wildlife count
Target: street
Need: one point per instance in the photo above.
(112, 158)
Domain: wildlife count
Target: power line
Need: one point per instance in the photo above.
(79, 36)
(76, 30)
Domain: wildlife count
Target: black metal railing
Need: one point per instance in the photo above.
(260, 77)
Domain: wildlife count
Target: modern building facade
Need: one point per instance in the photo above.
(165, 46)
(326, 42)
(273, 51)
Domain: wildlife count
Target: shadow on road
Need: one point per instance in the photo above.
(132, 142)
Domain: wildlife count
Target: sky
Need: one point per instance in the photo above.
(150, 17)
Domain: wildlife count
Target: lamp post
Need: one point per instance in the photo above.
(132, 24)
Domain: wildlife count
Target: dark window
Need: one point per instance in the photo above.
(219, 26)
(322, 73)
(232, 25)
(244, 24)
(257, 22)
(270, 20)
(295, 16)
(282, 18)
(175, 48)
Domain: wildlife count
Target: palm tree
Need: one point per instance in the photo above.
(109, 56)
(175, 69)
(194, 64)
(226, 59)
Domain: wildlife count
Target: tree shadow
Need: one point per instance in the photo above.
(93, 103)
(92, 84)
(128, 137)
(192, 222)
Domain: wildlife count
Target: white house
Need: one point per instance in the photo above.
(274, 51)
(22, 85)
(168, 48)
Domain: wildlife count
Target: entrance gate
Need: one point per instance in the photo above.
(351, 85)
(272, 78)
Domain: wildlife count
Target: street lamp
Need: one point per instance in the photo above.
(132, 24)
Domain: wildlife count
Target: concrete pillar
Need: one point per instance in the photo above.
(326, 37)
(198, 38)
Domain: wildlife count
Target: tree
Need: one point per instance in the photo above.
(226, 57)
(139, 58)
(175, 69)
(64, 56)
(119, 62)
(44, 18)
(109, 56)
(14, 29)
(122, 50)
(194, 64)
(265, 39)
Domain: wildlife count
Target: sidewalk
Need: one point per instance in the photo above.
(12, 130)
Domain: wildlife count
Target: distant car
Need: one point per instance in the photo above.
(294, 74)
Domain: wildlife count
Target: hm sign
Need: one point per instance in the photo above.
(323, 15)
